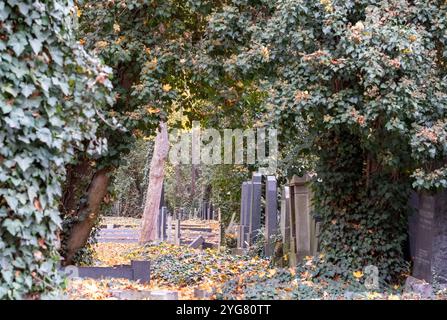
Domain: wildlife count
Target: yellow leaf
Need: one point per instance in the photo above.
(166, 87)
(152, 110)
(357, 274)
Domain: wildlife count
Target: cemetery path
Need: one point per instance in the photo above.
(120, 230)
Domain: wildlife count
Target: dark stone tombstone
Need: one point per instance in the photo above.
(211, 212)
(271, 214)
(204, 211)
(428, 238)
(240, 234)
(182, 214)
(255, 208)
(197, 242)
(244, 219)
(164, 213)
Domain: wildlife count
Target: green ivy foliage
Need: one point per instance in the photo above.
(50, 89)
(366, 80)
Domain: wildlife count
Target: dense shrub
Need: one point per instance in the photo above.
(49, 93)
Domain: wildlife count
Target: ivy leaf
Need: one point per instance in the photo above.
(24, 163)
(13, 226)
(36, 45)
(44, 135)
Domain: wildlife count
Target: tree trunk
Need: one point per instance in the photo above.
(154, 189)
(87, 214)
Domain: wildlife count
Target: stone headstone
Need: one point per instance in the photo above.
(428, 238)
(177, 232)
(285, 219)
(271, 214)
(159, 225)
(163, 295)
(244, 217)
(255, 208)
(202, 293)
(169, 236)
(303, 227)
(197, 242)
(164, 214)
(419, 287)
(131, 294)
(137, 271)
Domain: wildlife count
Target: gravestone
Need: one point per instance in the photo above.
(202, 293)
(303, 227)
(163, 295)
(428, 237)
(159, 224)
(169, 229)
(164, 213)
(244, 218)
(212, 211)
(271, 214)
(137, 271)
(255, 207)
(292, 256)
(197, 242)
(177, 232)
(285, 219)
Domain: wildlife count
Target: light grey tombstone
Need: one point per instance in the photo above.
(159, 225)
(240, 235)
(255, 207)
(163, 295)
(285, 219)
(271, 215)
(177, 232)
(302, 222)
(169, 229)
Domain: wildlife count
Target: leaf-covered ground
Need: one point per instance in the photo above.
(225, 276)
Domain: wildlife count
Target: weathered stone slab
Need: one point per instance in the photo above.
(285, 219)
(243, 215)
(428, 237)
(271, 214)
(255, 208)
(239, 251)
(177, 232)
(419, 287)
(304, 237)
(197, 242)
(202, 293)
(163, 295)
(169, 235)
(137, 271)
(131, 294)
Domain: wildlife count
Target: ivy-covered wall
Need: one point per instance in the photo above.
(50, 89)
